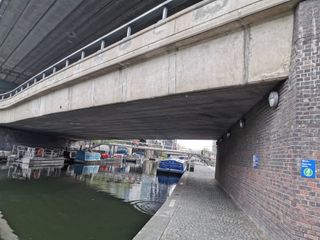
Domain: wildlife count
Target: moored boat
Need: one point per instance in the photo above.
(172, 166)
(27, 162)
(86, 157)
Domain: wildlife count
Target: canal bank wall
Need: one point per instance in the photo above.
(6, 233)
(199, 209)
(10, 137)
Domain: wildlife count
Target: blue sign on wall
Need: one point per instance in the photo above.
(255, 161)
(308, 168)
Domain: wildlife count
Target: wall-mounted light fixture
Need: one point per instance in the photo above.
(273, 99)
(242, 123)
(229, 134)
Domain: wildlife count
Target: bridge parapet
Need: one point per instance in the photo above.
(176, 31)
(184, 53)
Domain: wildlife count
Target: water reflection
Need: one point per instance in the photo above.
(132, 182)
(42, 198)
(32, 163)
(135, 183)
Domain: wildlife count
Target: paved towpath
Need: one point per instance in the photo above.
(199, 209)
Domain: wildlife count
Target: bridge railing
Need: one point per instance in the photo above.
(142, 145)
(98, 45)
(130, 143)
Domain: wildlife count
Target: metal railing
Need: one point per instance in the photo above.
(140, 145)
(130, 143)
(81, 53)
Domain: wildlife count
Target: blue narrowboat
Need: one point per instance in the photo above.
(81, 169)
(85, 156)
(172, 166)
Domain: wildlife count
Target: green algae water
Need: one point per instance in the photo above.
(61, 209)
(106, 205)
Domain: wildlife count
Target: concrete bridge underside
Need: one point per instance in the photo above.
(201, 115)
(192, 75)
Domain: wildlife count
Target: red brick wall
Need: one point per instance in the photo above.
(282, 203)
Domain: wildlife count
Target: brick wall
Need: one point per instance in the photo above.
(282, 203)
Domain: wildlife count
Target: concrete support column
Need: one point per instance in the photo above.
(282, 203)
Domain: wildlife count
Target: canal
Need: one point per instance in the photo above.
(111, 201)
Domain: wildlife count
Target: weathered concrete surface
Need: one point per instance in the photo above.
(199, 209)
(200, 115)
(197, 50)
(182, 33)
(33, 34)
(213, 45)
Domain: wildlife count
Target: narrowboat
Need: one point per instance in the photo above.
(27, 162)
(172, 166)
(87, 157)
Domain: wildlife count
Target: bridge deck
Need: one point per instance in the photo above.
(199, 209)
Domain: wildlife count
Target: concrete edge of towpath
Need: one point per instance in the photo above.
(156, 226)
(6, 233)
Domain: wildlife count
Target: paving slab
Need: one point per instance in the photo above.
(199, 209)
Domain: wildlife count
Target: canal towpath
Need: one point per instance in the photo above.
(199, 209)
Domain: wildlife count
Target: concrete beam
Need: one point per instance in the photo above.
(209, 46)
(197, 115)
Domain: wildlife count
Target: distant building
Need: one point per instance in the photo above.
(171, 144)
(214, 147)
(214, 150)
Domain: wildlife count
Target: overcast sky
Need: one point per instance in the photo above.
(196, 144)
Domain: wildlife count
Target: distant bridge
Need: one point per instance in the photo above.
(141, 145)
(153, 147)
